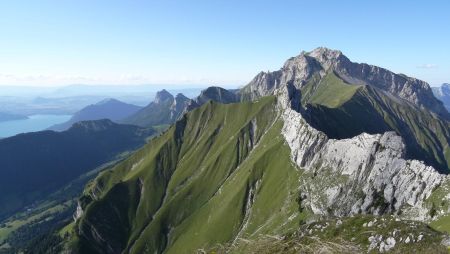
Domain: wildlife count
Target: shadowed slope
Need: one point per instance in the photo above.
(35, 164)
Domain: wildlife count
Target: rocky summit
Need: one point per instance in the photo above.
(298, 70)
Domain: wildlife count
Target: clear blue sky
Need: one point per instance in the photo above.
(212, 42)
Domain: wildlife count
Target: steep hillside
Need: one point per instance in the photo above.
(29, 225)
(35, 164)
(111, 109)
(243, 184)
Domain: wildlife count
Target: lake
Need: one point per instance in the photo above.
(33, 123)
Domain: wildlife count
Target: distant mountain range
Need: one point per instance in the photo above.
(70, 99)
(443, 94)
(33, 165)
(111, 109)
(166, 108)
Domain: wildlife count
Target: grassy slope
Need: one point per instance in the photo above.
(439, 204)
(344, 111)
(273, 179)
(332, 91)
(153, 114)
(222, 165)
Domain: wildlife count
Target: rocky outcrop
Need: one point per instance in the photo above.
(367, 173)
(178, 106)
(163, 96)
(78, 212)
(364, 174)
(298, 70)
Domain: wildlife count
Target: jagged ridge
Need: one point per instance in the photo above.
(344, 99)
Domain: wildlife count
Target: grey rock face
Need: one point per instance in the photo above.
(363, 174)
(78, 213)
(178, 106)
(163, 96)
(298, 70)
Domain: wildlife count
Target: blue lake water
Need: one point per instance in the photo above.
(33, 123)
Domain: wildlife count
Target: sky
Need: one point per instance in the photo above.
(212, 42)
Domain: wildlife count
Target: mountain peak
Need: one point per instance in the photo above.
(328, 57)
(298, 71)
(181, 96)
(179, 103)
(317, 59)
(217, 94)
(108, 101)
(323, 52)
(162, 96)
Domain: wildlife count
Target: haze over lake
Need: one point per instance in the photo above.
(33, 123)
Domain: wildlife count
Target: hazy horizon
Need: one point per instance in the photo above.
(58, 43)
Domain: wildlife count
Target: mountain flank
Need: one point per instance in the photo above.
(111, 109)
(35, 164)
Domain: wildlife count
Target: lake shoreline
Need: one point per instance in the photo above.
(32, 123)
